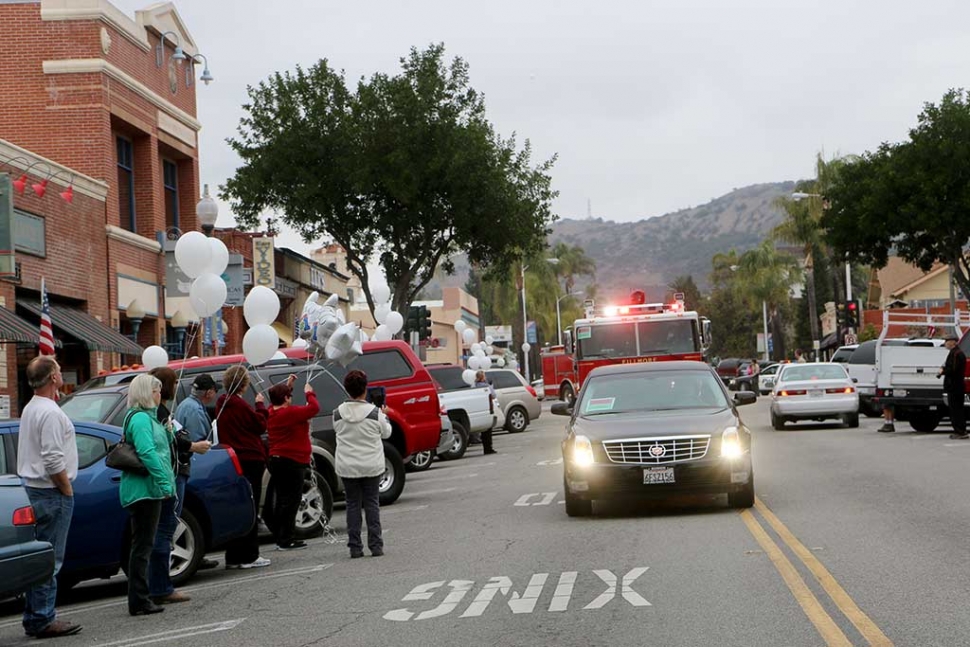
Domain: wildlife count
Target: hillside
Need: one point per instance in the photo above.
(649, 253)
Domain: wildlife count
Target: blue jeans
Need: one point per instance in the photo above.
(53, 511)
(159, 565)
(363, 493)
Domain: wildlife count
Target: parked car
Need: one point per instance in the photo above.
(814, 391)
(516, 398)
(843, 353)
(655, 430)
(218, 507)
(471, 409)
(766, 378)
(736, 375)
(24, 561)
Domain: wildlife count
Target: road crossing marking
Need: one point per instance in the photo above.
(519, 603)
(441, 491)
(176, 634)
(442, 479)
(395, 509)
(546, 499)
(551, 461)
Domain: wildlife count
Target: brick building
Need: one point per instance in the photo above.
(105, 103)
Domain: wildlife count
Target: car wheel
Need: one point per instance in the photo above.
(777, 422)
(314, 513)
(392, 481)
(851, 420)
(566, 394)
(459, 445)
(516, 420)
(743, 498)
(188, 549)
(420, 461)
(925, 422)
(576, 507)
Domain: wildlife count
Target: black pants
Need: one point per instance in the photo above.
(958, 415)
(288, 478)
(366, 492)
(144, 524)
(245, 549)
(487, 441)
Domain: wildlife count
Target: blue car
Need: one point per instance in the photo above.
(218, 507)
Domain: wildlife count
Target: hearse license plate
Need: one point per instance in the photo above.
(652, 475)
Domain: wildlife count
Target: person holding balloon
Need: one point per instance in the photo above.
(241, 427)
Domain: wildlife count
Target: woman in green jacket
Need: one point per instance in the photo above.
(142, 494)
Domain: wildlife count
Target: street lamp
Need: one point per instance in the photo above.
(559, 317)
(135, 313)
(207, 211)
(179, 323)
(525, 319)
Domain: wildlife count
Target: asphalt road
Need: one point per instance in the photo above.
(858, 538)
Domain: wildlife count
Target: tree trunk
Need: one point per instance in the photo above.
(812, 308)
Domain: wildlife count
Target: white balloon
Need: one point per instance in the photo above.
(468, 376)
(479, 353)
(260, 344)
(475, 348)
(460, 326)
(383, 333)
(278, 355)
(394, 322)
(489, 350)
(469, 335)
(261, 306)
(381, 312)
(342, 341)
(473, 363)
(207, 294)
(154, 357)
(220, 257)
(526, 347)
(193, 253)
(489, 339)
(500, 362)
(300, 343)
(381, 293)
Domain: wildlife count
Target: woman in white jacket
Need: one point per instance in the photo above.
(360, 426)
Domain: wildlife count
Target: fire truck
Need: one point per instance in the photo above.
(627, 333)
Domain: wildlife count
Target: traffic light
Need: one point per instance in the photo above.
(840, 316)
(852, 314)
(424, 322)
(411, 324)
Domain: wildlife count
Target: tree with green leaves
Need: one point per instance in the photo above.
(573, 262)
(405, 169)
(766, 276)
(685, 285)
(912, 197)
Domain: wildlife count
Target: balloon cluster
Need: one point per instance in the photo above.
(390, 322)
(326, 333)
(260, 310)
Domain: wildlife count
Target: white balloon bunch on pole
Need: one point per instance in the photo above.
(203, 259)
(260, 309)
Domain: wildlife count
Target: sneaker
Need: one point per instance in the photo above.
(259, 563)
(293, 545)
(887, 429)
(959, 436)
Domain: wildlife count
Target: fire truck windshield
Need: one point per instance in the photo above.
(643, 339)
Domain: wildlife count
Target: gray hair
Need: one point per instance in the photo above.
(141, 390)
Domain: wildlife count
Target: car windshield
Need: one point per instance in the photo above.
(642, 339)
(90, 407)
(813, 372)
(651, 391)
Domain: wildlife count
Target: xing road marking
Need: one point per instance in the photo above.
(425, 492)
(518, 603)
(395, 509)
(830, 632)
(546, 498)
(873, 635)
(176, 634)
(442, 479)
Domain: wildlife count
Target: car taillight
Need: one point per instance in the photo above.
(24, 516)
(532, 391)
(793, 392)
(847, 389)
(235, 460)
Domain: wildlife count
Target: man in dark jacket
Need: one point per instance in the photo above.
(953, 372)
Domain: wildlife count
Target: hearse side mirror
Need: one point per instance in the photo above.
(742, 398)
(562, 409)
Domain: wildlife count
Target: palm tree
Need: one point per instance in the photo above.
(767, 275)
(573, 262)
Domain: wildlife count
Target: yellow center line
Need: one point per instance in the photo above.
(873, 635)
(830, 632)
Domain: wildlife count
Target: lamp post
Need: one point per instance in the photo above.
(179, 323)
(136, 314)
(207, 211)
(559, 316)
(525, 320)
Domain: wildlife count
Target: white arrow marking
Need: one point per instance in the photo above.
(628, 593)
(176, 634)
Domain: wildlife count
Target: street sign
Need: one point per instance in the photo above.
(850, 339)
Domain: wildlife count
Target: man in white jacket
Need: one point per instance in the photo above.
(360, 427)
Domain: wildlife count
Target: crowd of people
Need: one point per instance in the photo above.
(164, 442)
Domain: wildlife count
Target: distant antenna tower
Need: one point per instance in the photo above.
(589, 208)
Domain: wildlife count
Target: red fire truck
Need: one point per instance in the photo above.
(623, 334)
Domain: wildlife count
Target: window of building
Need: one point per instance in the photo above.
(171, 183)
(126, 183)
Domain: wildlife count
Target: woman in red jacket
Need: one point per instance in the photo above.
(289, 456)
(241, 427)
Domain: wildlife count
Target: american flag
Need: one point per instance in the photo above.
(46, 328)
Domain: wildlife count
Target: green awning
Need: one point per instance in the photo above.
(86, 329)
(15, 329)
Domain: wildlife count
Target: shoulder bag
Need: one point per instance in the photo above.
(122, 455)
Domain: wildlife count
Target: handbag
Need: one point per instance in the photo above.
(122, 455)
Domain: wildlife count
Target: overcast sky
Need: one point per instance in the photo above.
(651, 106)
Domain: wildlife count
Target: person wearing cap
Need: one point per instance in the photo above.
(953, 372)
(191, 414)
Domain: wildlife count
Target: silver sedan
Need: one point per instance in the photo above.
(820, 391)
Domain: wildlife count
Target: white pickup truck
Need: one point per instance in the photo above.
(471, 409)
(906, 374)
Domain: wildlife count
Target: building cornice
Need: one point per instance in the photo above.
(101, 66)
(131, 238)
(82, 183)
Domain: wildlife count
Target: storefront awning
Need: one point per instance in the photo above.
(284, 332)
(86, 329)
(13, 328)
